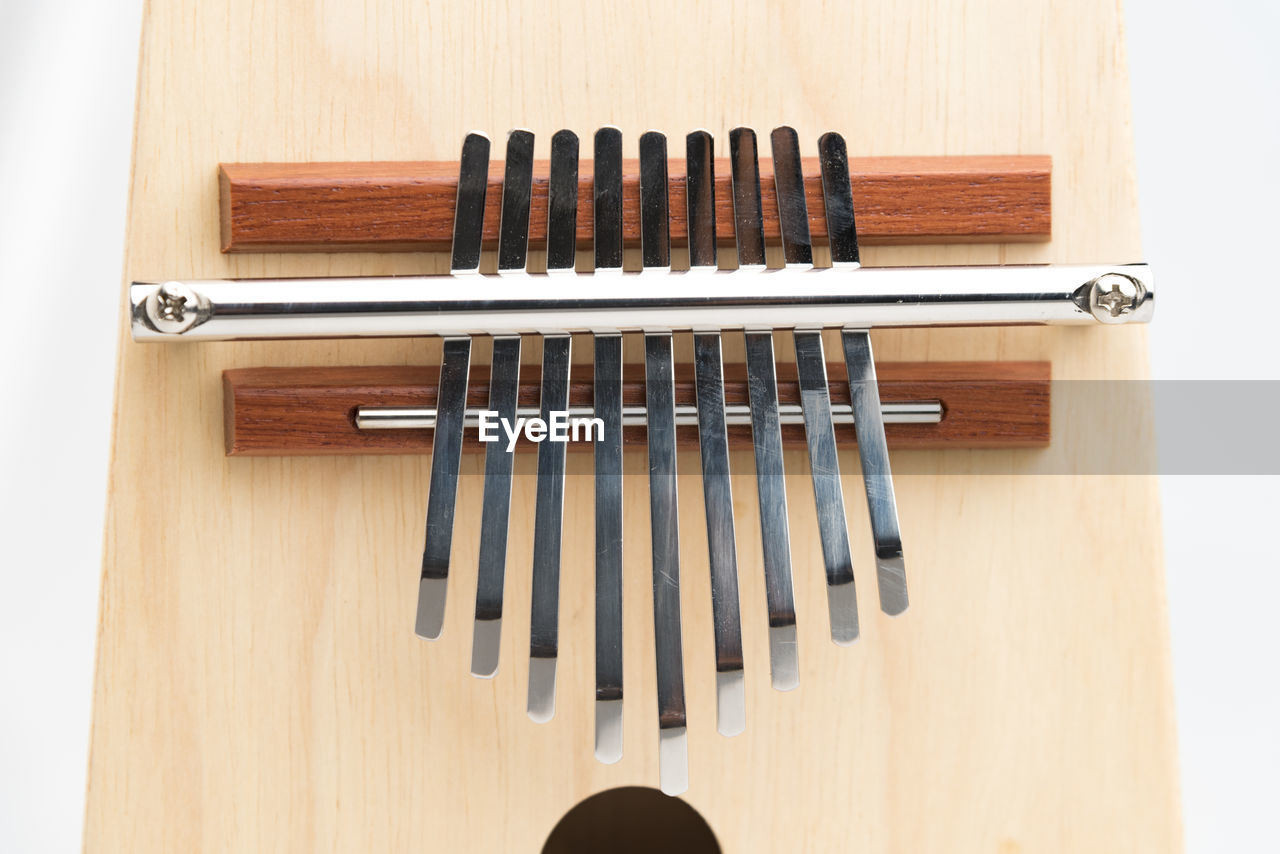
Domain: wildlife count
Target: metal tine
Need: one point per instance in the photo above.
(562, 202)
(748, 214)
(607, 403)
(608, 479)
(762, 387)
(504, 384)
(833, 530)
(655, 226)
(713, 439)
(793, 214)
(548, 516)
(517, 190)
(864, 392)
(766, 432)
(607, 189)
(837, 196)
(673, 751)
(701, 185)
(562, 224)
(468, 209)
(815, 398)
(446, 447)
(659, 383)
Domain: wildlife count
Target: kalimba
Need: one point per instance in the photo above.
(360, 595)
(657, 303)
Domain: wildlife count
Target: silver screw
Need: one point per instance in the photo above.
(172, 305)
(173, 308)
(1113, 296)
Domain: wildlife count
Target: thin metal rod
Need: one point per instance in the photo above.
(650, 300)
(736, 415)
(548, 515)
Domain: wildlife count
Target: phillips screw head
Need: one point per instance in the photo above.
(1112, 297)
(173, 308)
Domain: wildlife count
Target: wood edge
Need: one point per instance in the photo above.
(224, 207)
(229, 390)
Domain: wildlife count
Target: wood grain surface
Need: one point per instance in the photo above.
(258, 683)
(294, 207)
(300, 411)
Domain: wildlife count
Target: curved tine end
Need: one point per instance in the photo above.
(478, 134)
(742, 130)
(563, 135)
(608, 748)
(891, 575)
(485, 643)
(542, 689)
(673, 761)
(785, 132)
(608, 130)
(652, 135)
(515, 132)
(700, 133)
(842, 607)
(784, 664)
(429, 623)
(831, 138)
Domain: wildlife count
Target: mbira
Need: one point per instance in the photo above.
(633, 412)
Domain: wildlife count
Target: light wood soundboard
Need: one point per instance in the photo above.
(259, 685)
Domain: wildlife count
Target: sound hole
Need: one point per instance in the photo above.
(631, 820)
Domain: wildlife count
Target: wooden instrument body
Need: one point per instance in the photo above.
(259, 685)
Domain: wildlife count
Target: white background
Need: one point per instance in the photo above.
(1205, 82)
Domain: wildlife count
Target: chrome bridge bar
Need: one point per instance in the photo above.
(650, 300)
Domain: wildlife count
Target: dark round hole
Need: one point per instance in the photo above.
(632, 819)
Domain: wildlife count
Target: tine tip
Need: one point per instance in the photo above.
(608, 748)
(731, 703)
(542, 689)
(673, 760)
(430, 617)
